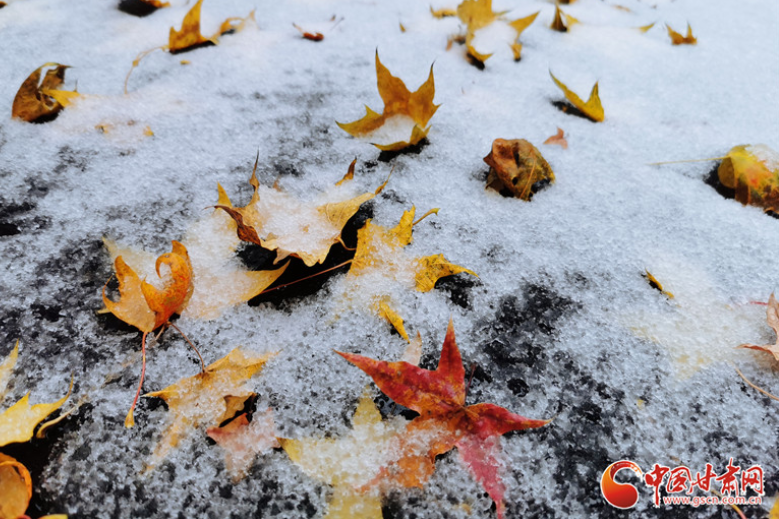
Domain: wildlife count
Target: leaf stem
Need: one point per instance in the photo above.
(753, 386)
(305, 278)
(129, 421)
(685, 161)
(202, 364)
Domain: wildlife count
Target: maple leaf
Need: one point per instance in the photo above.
(243, 440)
(350, 463)
(753, 172)
(439, 398)
(33, 101)
(18, 422)
(278, 222)
(558, 139)
(562, 22)
(379, 259)
(202, 399)
(205, 278)
(519, 25)
(400, 107)
(772, 318)
(515, 167)
(592, 108)
(678, 39)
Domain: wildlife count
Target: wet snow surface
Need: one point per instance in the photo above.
(560, 323)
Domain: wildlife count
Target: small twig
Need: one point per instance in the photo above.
(305, 278)
(753, 386)
(685, 161)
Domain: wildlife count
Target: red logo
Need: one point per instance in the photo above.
(620, 495)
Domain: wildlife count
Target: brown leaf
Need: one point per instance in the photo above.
(678, 39)
(515, 166)
(558, 139)
(31, 104)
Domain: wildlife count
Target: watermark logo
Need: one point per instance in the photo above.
(733, 486)
(619, 495)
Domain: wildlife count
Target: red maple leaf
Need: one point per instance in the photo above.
(444, 421)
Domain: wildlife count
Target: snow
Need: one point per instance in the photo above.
(561, 321)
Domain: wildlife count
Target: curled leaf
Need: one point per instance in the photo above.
(515, 167)
(772, 318)
(592, 108)
(32, 104)
(189, 35)
(562, 22)
(753, 172)
(243, 440)
(15, 488)
(400, 105)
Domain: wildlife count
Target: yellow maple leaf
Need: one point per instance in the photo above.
(18, 422)
(478, 14)
(350, 464)
(401, 106)
(200, 400)
(519, 25)
(562, 22)
(379, 261)
(593, 108)
(678, 39)
(33, 101)
(279, 222)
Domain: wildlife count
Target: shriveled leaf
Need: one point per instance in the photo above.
(558, 139)
(15, 488)
(654, 283)
(31, 103)
(399, 104)
(678, 39)
(444, 12)
(243, 441)
(199, 400)
(439, 397)
(772, 318)
(515, 166)
(753, 172)
(18, 422)
(592, 108)
(277, 221)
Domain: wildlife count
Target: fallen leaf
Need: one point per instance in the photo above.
(243, 441)
(753, 172)
(279, 222)
(654, 283)
(199, 400)
(439, 397)
(645, 28)
(519, 25)
(313, 36)
(772, 318)
(515, 167)
(31, 104)
(592, 108)
(443, 12)
(379, 261)
(400, 106)
(18, 422)
(678, 39)
(189, 35)
(15, 488)
(558, 139)
(562, 22)
(402, 27)
(350, 463)
(478, 14)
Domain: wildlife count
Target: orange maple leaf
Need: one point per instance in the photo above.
(400, 106)
(439, 398)
(678, 39)
(558, 139)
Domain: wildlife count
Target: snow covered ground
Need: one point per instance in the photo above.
(561, 321)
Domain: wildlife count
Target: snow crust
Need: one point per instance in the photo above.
(561, 321)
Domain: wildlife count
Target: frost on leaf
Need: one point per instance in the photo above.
(242, 441)
(351, 463)
(280, 222)
(678, 39)
(33, 101)
(444, 422)
(515, 167)
(753, 172)
(206, 399)
(772, 318)
(18, 422)
(592, 109)
(402, 110)
(380, 266)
